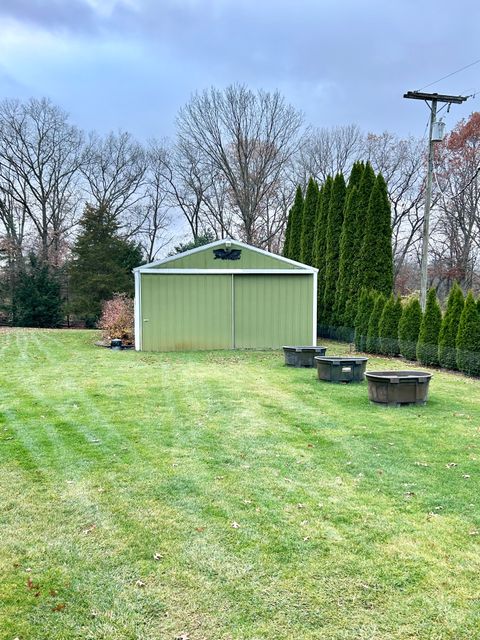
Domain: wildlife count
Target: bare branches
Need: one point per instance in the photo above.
(248, 138)
(40, 155)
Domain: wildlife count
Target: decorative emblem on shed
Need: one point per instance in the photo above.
(227, 254)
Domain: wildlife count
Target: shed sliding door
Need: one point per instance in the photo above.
(272, 310)
(186, 312)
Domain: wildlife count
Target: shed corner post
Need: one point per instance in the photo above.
(315, 289)
(138, 319)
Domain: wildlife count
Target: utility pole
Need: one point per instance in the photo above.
(434, 98)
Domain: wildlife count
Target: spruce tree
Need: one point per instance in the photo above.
(308, 223)
(388, 326)
(427, 345)
(292, 214)
(320, 244)
(295, 233)
(375, 265)
(409, 329)
(334, 229)
(347, 250)
(37, 300)
(102, 264)
(468, 338)
(447, 351)
(373, 343)
(364, 311)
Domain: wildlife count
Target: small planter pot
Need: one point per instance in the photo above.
(395, 388)
(341, 368)
(302, 356)
(116, 344)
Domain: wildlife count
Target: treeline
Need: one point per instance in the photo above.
(389, 327)
(344, 230)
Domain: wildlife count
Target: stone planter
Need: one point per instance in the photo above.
(302, 356)
(395, 388)
(341, 368)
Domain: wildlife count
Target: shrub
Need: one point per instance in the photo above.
(117, 320)
(427, 345)
(388, 326)
(447, 352)
(37, 300)
(409, 329)
(365, 307)
(468, 338)
(372, 345)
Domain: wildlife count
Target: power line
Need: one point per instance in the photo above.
(450, 74)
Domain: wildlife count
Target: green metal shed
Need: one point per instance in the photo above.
(224, 295)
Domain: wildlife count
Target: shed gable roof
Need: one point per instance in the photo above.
(203, 258)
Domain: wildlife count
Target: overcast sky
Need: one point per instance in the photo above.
(130, 64)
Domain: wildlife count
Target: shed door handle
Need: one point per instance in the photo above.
(146, 320)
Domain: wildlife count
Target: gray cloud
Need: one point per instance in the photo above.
(340, 62)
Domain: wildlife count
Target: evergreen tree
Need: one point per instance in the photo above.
(295, 239)
(365, 308)
(102, 264)
(468, 338)
(409, 329)
(334, 229)
(320, 245)
(373, 342)
(388, 326)
(37, 299)
(365, 186)
(293, 214)
(375, 266)
(308, 223)
(447, 351)
(427, 345)
(347, 250)
(355, 175)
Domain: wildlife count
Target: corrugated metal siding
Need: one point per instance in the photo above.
(273, 310)
(186, 312)
(248, 260)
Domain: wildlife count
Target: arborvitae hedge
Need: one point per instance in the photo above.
(293, 213)
(335, 220)
(355, 175)
(320, 245)
(468, 338)
(365, 187)
(308, 222)
(364, 310)
(375, 265)
(427, 345)
(347, 251)
(388, 326)
(295, 235)
(409, 329)
(447, 349)
(373, 345)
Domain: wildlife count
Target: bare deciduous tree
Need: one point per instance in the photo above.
(40, 155)
(327, 152)
(114, 168)
(402, 164)
(247, 137)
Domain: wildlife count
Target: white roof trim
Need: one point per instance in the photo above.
(220, 272)
(217, 243)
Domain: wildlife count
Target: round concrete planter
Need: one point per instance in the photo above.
(341, 368)
(395, 388)
(302, 356)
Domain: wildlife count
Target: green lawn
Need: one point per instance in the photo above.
(280, 507)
